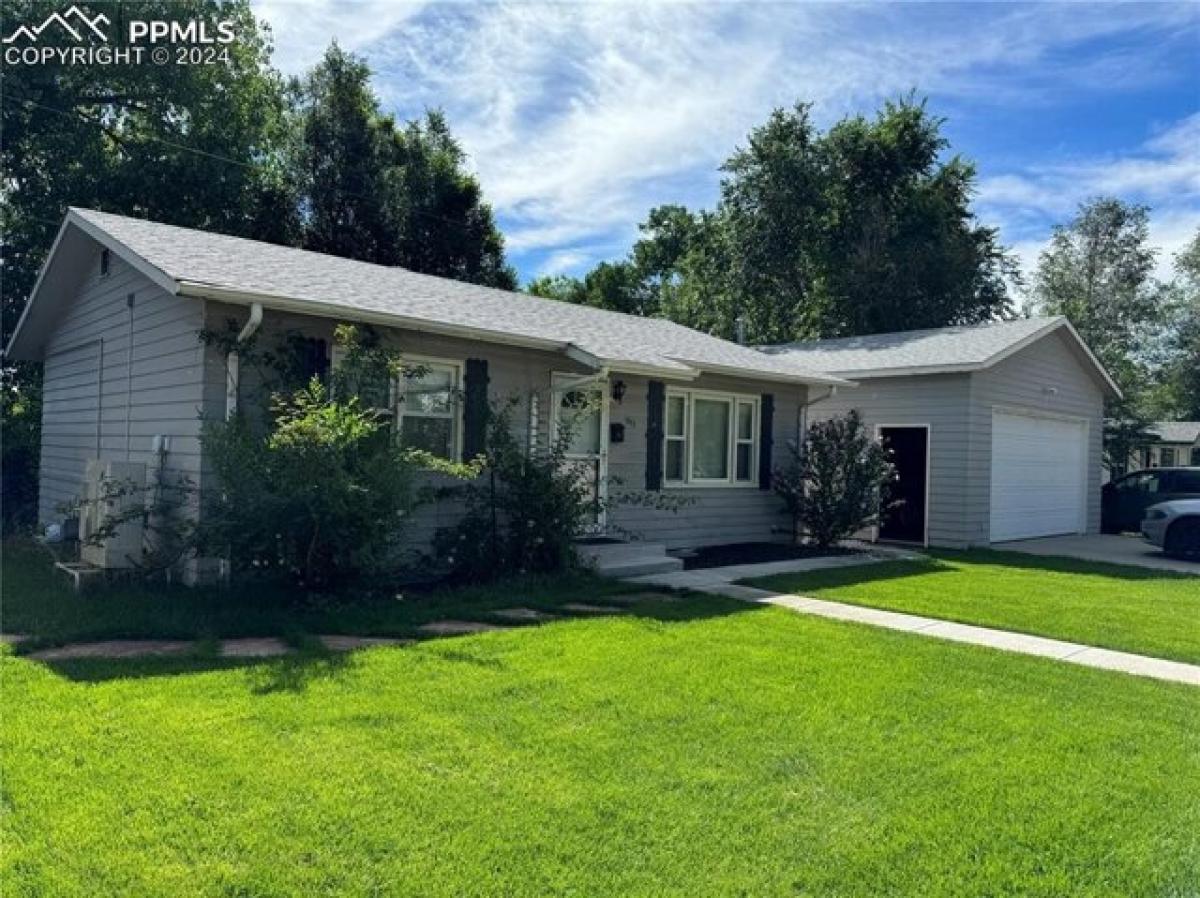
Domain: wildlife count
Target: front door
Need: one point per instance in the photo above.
(582, 406)
(909, 447)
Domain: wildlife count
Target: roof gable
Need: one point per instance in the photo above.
(947, 350)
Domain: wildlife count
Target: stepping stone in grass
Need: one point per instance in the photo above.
(268, 647)
(115, 648)
(456, 627)
(584, 608)
(349, 643)
(524, 614)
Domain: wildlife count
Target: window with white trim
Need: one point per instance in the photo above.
(675, 437)
(428, 408)
(710, 439)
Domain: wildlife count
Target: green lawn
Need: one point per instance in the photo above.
(735, 751)
(1114, 606)
(696, 747)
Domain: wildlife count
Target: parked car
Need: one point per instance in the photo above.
(1174, 527)
(1124, 501)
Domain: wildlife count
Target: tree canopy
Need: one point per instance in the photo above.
(379, 192)
(1098, 271)
(861, 229)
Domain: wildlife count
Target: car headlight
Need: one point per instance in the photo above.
(1155, 515)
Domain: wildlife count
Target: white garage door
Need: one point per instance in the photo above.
(1038, 475)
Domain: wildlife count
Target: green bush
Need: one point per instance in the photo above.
(523, 514)
(837, 482)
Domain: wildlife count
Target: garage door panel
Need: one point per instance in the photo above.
(1038, 475)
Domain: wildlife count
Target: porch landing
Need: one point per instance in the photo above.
(624, 560)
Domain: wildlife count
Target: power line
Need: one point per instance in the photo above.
(82, 119)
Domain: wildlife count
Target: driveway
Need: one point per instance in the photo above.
(1103, 547)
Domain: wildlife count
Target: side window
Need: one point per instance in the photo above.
(1144, 482)
(1186, 482)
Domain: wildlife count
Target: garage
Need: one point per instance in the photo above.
(1038, 476)
(995, 430)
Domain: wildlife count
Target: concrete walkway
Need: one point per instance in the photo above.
(1113, 548)
(702, 578)
(1003, 640)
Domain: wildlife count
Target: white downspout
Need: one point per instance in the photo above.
(802, 415)
(233, 362)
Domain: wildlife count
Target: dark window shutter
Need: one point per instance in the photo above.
(475, 408)
(656, 403)
(766, 437)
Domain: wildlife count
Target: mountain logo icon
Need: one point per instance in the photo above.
(82, 25)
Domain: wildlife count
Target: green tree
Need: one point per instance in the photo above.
(1179, 397)
(190, 145)
(1098, 271)
(379, 192)
(616, 286)
(342, 162)
(861, 229)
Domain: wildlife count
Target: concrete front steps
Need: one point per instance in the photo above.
(627, 559)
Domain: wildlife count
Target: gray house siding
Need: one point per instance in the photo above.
(942, 403)
(712, 515)
(1049, 377)
(115, 377)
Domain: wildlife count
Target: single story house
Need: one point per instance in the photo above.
(116, 313)
(1178, 443)
(996, 428)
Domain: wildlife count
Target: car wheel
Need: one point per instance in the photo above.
(1183, 539)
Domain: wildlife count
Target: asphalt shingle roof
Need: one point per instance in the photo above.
(232, 263)
(1176, 431)
(964, 347)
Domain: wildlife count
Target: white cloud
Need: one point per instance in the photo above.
(581, 117)
(1164, 173)
(302, 29)
(564, 261)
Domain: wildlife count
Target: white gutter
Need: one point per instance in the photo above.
(233, 360)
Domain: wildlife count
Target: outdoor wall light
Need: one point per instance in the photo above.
(618, 390)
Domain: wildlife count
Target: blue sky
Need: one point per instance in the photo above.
(581, 117)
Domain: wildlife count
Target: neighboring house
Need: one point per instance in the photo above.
(996, 428)
(1178, 444)
(118, 307)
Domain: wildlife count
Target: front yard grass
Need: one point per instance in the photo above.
(1114, 606)
(735, 750)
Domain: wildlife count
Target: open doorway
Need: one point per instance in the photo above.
(907, 521)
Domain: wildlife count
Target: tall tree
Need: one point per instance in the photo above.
(861, 229)
(195, 145)
(189, 145)
(1179, 397)
(1098, 271)
(343, 162)
(382, 193)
